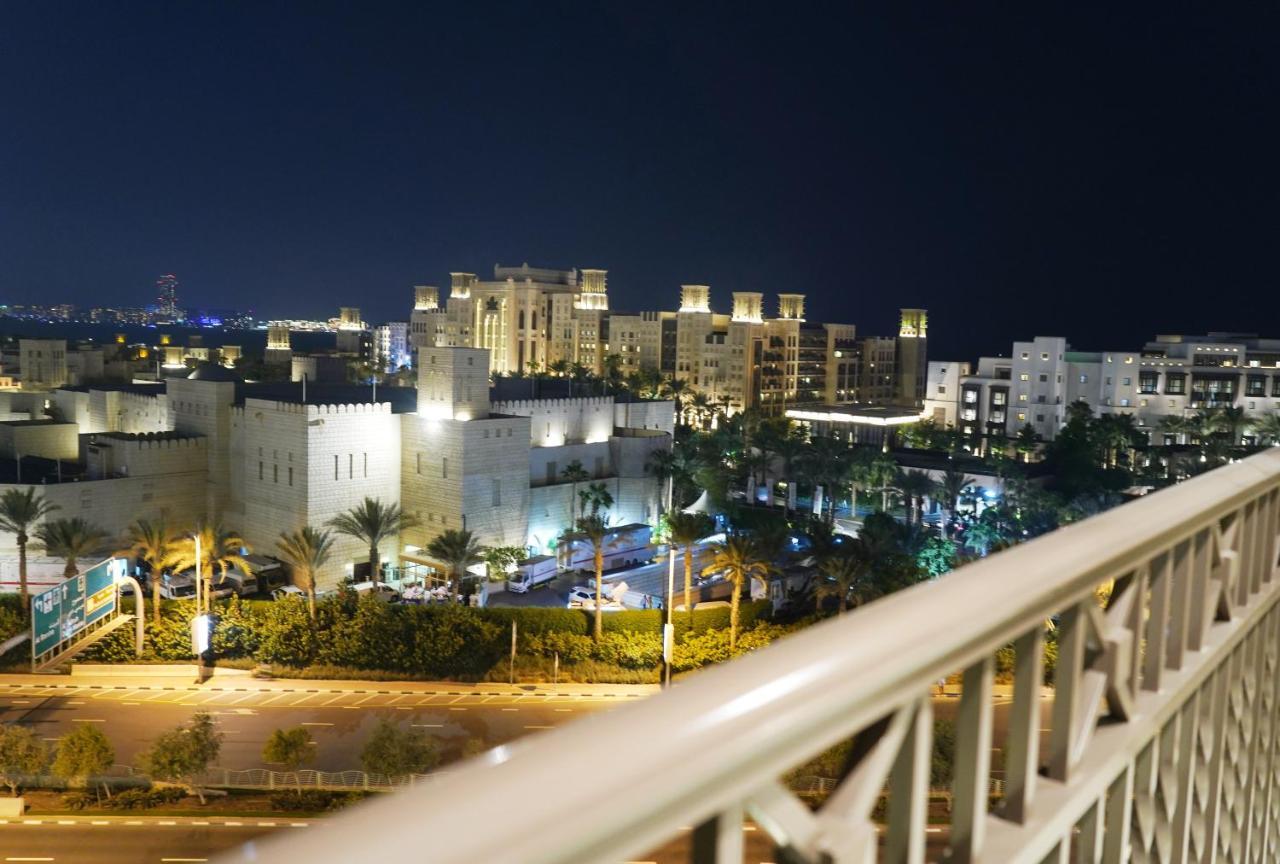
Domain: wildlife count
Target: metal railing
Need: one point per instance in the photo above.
(1162, 740)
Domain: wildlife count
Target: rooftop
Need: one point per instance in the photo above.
(859, 415)
(403, 399)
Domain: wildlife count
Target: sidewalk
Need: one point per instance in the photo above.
(182, 678)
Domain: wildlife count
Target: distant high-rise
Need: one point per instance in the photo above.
(167, 295)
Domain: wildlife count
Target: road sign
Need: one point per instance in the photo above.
(58, 614)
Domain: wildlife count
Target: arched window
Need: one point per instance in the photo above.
(520, 326)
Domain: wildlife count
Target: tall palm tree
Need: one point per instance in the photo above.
(596, 530)
(951, 487)
(574, 473)
(306, 551)
(881, 473)
(915, 486)
(220, 550)
(740, 560)
(675, 389)
(1267, 429)
(848, 571)
(154, 543)
(19, 510)
(1233, 420)
(459, 550)
(70, 539)
(686, 529)
(371, 521)
(596, 497)
(700, 408)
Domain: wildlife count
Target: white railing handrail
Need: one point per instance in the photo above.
(615, 784)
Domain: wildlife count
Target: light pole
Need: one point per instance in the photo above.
(668, 630)
(199, 573)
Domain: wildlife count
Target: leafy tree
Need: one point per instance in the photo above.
(398, 753)
(22, 754)
(155, 543)
(686, 530)
(306, 551)
(290, 749)
(847, 577)
(372, 522)
(740, 560)
(915, 486)
(458, 550)
(937, 556)
(220, 550)
(20, 509)
(181, 755)
(950, 488)
(500, 559)
(70, 539)
(84, 753)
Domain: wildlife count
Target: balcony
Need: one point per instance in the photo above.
(1158, 740)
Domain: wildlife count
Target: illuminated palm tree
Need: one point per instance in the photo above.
(372, 522)
(574, 473)
(1267, 429)
(154, 543)
(675, 389)
(848, 572)
(19, 510)
(951, 487)
(686, 529)
(70, 539)
(740, 559)
(458, 550)
(306, 552)
(915, 486)
(596, 530)
(220, 550)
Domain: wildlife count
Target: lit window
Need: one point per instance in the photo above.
(1024, 377)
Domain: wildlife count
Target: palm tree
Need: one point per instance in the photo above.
(1026, 442)
(848, 571)
(951, 487)
(574, 473)
(19, 510)
(700, 408)
(1232, 420)
(740, 560)
(154, 543)
(915, 486)
(306, 551)
(686, 529)
(675, 388)
(597, 497)
(220, 550)
(880, 474)
(70, 539)
(1175, 425)
(371, 521)
(459, 550)
(1267, 429)
(596, 529)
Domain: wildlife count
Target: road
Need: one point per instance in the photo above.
(132, 714)
(140, 840)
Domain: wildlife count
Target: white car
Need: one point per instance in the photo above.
(285, 591)
(381, 590)
(583, 597)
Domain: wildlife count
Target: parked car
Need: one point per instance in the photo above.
(381, 590)
(584, 597)
(284, 592)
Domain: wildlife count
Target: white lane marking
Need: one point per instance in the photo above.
(297, 824)
(279, 696)
(457, 709)
(66, 821)
(266, 824)
(20, 702)
(335, 698)
(16, 858)
(562, 709)
(201, 822)
(75, 702)
(184, 859)
(510, 709)
(100, 822)
(167, 822)
(404, 707)
(87, 720)
(233, 824)
(134, 822)
(538, 727)
(315, 723)
(428, 725)
(32, 822)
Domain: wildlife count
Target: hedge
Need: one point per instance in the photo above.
(442, 642)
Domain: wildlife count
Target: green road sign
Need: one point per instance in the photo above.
(58, 614)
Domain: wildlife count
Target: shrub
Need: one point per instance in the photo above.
(313, 800)
(79, 799)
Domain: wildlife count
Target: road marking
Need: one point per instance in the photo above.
(28, 859)
(167, 822)
(87, 720)
(266, 824)
(20, 702)
(134, 822)
(100, 822)
(457, 709)
(184, 859)
(404, 707)
(32, 822)
(66, 821)
(510, 709)
(75, 702)
(563, 709)
(233, 824)
(428, 725)
(335, 699)
(315, 723)
(351, 707)
(278, 696)
(538, 727)
(201, 822)
(298, 825)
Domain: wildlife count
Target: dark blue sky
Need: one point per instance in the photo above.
(1103, 174)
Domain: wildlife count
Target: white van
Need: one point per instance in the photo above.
(532, 572)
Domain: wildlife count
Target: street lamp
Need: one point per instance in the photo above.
(668, 630)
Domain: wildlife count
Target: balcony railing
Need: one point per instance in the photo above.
(1162, 742)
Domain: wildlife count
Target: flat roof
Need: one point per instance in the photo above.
(403, 399)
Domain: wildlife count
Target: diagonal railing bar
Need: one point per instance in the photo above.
(1162, 742)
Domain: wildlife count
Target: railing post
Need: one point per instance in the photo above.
(909, 790)
(972, 762)
(1022, 746)
(719, 839)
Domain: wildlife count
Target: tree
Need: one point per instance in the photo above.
(71, 539)
(181, 755)
(595, 528)
(84, 753)
(880, 474)
(457, 550)
(915, 486)
(937, 556)
(848, 574)
(1027, 442)
(22, 754)
(596, 497)
(574, 474)
(371, 521)
(687, 529)
(740, 560)
(1267, 429)
(675, 389)
(220, 550)
(290, 749)
(19, 510)
(950, 488)
(502, 559)
(306, 551)
(397, 753)
(154, 543)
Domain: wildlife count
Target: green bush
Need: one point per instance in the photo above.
(313, 800)
(79, 799)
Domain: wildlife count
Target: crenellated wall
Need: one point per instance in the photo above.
(554, 422)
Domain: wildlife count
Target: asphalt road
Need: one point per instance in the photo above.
(115, 841)
(339, 721)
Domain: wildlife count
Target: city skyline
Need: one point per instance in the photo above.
(871, 163)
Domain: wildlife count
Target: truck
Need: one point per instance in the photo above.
(624, 546)
(532, 572)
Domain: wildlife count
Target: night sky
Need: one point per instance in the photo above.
(1103, 174)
